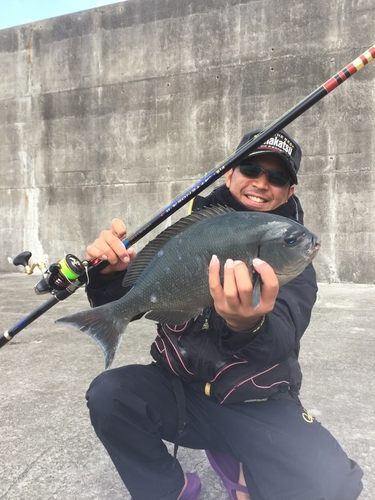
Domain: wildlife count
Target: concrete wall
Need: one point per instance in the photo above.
(115, 111)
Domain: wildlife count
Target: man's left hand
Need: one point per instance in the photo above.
(233, 300)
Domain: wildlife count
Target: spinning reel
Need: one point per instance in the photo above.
(59, 275)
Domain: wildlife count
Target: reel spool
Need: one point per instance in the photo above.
(63, 273)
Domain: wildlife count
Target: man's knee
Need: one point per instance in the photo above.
(339, 481)
(108, 387)
(100, 394)
(114, 390)
(350, 486)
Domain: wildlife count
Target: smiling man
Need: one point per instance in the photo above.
(228, 380)
(264, 181)
(272, 170)
(270, 187)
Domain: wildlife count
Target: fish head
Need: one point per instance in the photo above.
(288, 247)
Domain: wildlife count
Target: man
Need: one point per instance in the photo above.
(246, 414)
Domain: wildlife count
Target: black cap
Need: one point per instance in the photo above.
(280, 145)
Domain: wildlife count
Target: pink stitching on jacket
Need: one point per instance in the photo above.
(166, 355)
(177, 352)
(178, 330)
(241, 362)
(252, 380)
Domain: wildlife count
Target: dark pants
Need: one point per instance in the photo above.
(286, 455)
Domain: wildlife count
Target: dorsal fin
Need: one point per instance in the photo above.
(147, 253)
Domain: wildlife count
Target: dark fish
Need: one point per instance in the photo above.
(169, 276)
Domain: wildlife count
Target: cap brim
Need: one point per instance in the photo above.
(285, 160)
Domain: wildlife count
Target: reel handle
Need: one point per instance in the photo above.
(22, 259)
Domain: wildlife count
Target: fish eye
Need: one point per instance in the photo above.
(291, 239)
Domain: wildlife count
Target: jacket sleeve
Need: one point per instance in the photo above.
(104, 288)
(283, 327)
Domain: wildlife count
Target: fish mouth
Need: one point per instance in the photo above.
(314, 247)
(307, 256)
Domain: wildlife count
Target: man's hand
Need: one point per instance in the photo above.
(109, 246)
(233, 300)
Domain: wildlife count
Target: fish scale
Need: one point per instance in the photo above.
(186, 257)
(169, 277)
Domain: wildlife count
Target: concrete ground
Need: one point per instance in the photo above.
(47, 447)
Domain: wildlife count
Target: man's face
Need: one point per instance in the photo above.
(258, 194)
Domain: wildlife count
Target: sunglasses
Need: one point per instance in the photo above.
(275, 177)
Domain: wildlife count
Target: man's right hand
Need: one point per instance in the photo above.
(109, 246)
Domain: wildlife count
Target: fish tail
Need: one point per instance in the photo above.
(102, 325)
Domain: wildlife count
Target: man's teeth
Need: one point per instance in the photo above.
(254, 198)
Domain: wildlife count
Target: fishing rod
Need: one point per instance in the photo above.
(66, 276)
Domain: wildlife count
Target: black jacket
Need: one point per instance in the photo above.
(229, 366)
